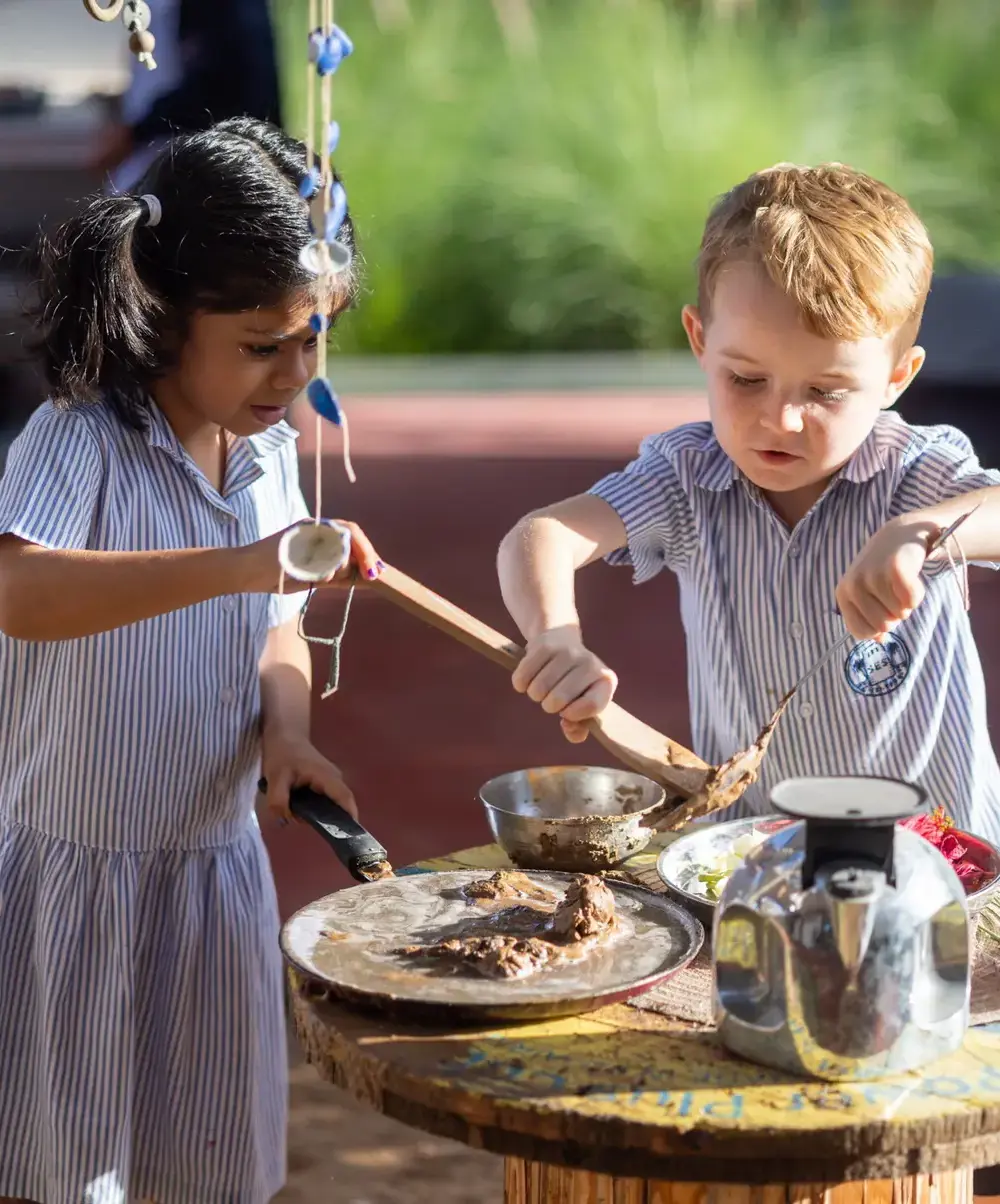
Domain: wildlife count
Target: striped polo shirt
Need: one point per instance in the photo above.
(759, 609)
(165, 711)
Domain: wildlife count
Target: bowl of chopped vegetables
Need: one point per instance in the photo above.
(695, 867)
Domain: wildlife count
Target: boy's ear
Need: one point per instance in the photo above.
(694, 328)
(910, 363)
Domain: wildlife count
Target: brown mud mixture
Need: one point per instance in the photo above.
(518, 941)
(377, 871)
(508, 884)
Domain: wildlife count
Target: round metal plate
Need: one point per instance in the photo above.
(680, 863)
(345, 943)
(685, 858)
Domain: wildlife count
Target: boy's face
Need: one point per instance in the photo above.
(788, 407)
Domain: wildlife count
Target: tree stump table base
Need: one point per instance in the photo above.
(538, 1183)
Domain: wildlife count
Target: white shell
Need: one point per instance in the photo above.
(314, 551)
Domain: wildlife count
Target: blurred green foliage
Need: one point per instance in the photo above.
(533, 175)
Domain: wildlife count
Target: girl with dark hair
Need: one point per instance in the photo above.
(149, 673)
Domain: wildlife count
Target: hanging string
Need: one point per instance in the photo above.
(959, 570)
(319, 555)
(326, 172)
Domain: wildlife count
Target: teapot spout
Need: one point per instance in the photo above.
(853, 895)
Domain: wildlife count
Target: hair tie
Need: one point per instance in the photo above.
(153, 208)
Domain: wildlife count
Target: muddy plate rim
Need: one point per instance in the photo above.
(398, 1003)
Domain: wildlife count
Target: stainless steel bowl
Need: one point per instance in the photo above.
(570, 817)
(681, 862)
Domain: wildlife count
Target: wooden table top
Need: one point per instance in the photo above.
(633, 1093)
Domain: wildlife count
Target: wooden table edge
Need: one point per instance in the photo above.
(725, 1157)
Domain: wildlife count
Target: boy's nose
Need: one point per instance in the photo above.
(784, 416)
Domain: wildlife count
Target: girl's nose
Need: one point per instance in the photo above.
(293, 369)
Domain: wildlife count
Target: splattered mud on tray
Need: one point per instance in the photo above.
(514, 942)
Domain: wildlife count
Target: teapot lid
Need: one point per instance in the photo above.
(864, 801)
(850, 822)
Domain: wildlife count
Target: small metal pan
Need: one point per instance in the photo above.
(581, 819)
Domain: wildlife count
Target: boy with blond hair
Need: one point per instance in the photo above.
(804, 505)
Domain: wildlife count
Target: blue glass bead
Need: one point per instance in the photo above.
(309, 183)
(319, 323)
(330, 56)
(346, 45)
(324, 401)
(332, 137)
(338, 211)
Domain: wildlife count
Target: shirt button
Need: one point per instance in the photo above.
(807, 710)
(227, 694)
(793, 551)
(797, 630)
(229, 604)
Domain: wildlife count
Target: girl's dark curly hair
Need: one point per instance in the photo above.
(115, 294)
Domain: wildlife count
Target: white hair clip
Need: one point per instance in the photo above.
(154, 210)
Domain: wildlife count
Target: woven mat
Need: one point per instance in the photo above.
(688, 995)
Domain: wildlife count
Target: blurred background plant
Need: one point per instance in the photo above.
(532, 175)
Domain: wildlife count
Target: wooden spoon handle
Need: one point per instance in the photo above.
(418, 600)
(633, 742)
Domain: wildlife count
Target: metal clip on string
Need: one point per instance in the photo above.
(333, 643)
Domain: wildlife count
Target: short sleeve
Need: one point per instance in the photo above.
(282, 608)
(946, 467)
(651, 502)
(51, 487)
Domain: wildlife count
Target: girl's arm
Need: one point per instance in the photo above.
(63, 595)
(289, 757)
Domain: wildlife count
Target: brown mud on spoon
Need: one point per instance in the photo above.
(634, 743)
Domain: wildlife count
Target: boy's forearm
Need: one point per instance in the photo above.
(537, 577)
(286, 683)
(64, 595)
(538, 560)
(979, 536)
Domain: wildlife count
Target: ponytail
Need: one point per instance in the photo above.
(96, 316)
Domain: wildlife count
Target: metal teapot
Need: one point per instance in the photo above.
(841, 945)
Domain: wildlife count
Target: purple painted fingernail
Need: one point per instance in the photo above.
(372, 574)
(380, 565)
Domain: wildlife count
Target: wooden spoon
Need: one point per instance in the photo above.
(634, 743)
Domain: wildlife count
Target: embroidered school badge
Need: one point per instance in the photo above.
(874, 669)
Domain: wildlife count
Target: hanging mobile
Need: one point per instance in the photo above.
(136, 16)
(316, 551)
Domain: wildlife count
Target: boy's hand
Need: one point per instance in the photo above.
(290, 761)
(883, 586)
(558, 672)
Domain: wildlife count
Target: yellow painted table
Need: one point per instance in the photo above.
(623, 1106)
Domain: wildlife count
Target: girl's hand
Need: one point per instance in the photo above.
(290, 761)
(883, 586)
(364, 559)
(263, 572)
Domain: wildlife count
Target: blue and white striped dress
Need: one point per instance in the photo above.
(142, 1038)
(758, 607)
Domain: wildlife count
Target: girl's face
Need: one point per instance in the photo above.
(240, 371)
